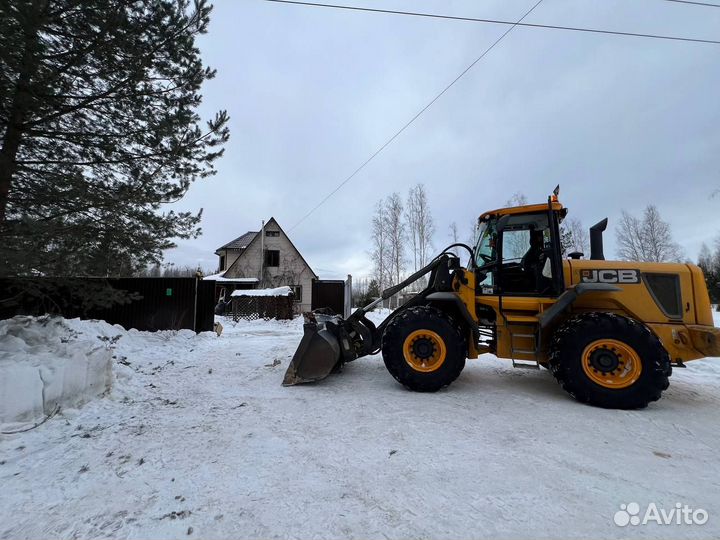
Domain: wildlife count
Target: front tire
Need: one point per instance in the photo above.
(423, 349)
(609, 361)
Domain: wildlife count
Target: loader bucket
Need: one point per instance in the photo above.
(318, 352)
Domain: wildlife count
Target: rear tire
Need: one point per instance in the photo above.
(423, 349)
(609, 361)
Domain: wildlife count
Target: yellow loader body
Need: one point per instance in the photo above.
(609, 331)
(686, 331)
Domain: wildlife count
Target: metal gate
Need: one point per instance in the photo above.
(329, 293)
(156, 304)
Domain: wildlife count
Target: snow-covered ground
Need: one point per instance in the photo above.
(198, 438)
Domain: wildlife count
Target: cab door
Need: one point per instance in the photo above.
(519, 256)
(523, 276)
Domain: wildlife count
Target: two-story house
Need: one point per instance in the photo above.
(266, 259)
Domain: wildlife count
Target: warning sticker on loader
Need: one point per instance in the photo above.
(624, 276)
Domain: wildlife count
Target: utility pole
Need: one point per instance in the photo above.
(262, 255)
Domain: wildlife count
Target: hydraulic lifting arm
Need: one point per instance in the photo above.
(329, 340)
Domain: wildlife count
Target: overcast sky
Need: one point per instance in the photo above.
(618, 122)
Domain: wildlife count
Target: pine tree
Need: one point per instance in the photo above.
(98, 130)
(709, 263)
(373, 290)
(369, 292)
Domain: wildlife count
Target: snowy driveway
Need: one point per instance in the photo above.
(198, 438)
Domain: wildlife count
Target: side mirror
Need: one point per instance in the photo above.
(502, 223)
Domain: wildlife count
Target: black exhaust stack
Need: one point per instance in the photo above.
(596, 240)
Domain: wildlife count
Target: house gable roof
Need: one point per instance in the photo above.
(257, 235)
(272, 219)
(241, 242)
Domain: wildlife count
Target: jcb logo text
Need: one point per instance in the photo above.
(610, 276)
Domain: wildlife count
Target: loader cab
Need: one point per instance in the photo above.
(518, 251)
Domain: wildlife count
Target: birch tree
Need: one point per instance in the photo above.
(396, 235)
(646, 239)
(515, 245)
(419, 225)
(380, 245)
(574, 236)
(453, 228)
(518, 199)
(473, 233)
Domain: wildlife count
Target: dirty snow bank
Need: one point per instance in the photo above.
(46, 362)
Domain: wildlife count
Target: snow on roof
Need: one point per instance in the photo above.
(280, 291)
(220, 277)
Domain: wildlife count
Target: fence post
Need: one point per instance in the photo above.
(348, 297)
(197, 280)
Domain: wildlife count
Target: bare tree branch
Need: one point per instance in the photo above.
(646, 239)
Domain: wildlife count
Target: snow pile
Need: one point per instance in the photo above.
(279, 291)
(47, 361)
(221, 277)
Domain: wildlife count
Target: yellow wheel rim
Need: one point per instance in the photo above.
(424, 351)
(611, 363)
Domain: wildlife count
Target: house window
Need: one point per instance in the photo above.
(222, 262)
(272, 233)
(297, 293)
(272, 257)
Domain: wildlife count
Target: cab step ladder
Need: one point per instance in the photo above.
(523, 337)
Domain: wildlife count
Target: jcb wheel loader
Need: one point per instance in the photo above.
(609, 331)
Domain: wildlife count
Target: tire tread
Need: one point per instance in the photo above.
(571, 335)
(392, 342)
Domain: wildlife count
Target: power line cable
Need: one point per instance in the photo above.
(497, 21)
(417, 115)
(469, 19)
(705, 4)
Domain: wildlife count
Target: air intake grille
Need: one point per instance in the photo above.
(665, 289)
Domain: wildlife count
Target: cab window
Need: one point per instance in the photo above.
(485, 248)
(515, 244)
(527, 252)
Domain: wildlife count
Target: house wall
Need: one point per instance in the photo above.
(292, 270)
(231, 256)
